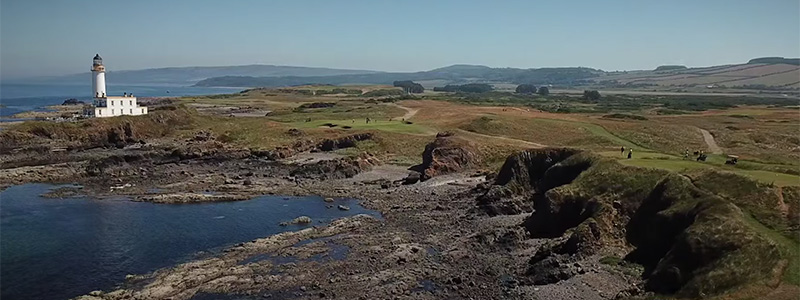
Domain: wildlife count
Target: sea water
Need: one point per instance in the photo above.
(63, 248)
(17, 98)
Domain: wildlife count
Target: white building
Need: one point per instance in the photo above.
(106, 106)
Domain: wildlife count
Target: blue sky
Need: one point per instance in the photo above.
(41, 37)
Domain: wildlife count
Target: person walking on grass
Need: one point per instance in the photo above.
(622, 150)
(630, 153)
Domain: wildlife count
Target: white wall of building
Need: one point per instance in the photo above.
(98, 84)
(118, 106)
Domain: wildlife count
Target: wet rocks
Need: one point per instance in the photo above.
(298, 221)
(190, 198)
(342, 207)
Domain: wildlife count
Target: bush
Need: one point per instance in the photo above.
(526, 89)
(544, 91)
(591, 95)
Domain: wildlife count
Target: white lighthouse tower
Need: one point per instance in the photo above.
(98, 77)
(107, 106)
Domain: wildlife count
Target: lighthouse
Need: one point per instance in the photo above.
(98, 77)
(108, 106)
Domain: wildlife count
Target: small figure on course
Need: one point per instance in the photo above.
(622, 150)
(630, 153)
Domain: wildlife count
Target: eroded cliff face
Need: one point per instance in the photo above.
(690, 242)
(530, 174)
(446, 154)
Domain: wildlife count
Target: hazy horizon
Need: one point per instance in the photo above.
(51, 38)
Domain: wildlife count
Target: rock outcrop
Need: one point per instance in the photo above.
(285, 151)
(446, 154)
(530, 174)
(336, 168)
(343, 142)
(690, 241)
(72, 101)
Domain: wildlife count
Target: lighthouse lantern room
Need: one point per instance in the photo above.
(108, 106)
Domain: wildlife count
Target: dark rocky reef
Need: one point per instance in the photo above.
(72, 101)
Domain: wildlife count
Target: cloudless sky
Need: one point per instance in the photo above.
(50, 37)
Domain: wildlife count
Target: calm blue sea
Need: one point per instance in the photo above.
(63, 248)
(16, 98)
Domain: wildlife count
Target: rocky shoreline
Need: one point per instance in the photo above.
(448, 232)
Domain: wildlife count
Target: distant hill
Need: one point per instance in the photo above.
(768, 73)
(452, 74)
(191, 75)
(775, 60)
(670, 68)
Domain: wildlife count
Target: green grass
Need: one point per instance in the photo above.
(675, 164)
(602, 132)
(610, 260)
(789, 249)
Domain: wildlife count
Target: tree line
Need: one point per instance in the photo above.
(532, 89)
(409, 86)
(465, 88)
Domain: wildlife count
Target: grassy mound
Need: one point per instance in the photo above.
(696, 236)
(97, 132)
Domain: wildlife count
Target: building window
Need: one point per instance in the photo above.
(130, 111)
(112, 111)
(130, 102)
(112, 102)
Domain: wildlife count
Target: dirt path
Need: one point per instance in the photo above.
(781, 203)
(712, 144)
(410, 112)
(535, 145)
